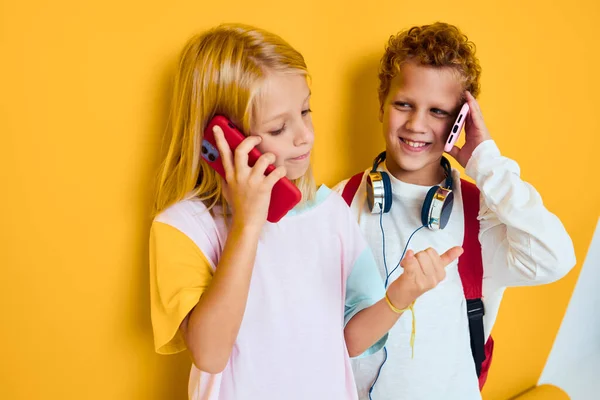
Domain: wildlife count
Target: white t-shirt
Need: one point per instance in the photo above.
(313, 272)
(522, 244)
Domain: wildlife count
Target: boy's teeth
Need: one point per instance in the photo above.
(413, 144)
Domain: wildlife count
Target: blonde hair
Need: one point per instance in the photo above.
(220, 72)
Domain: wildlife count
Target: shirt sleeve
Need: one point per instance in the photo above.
(522, 242)
(179, 275)
(364, 286)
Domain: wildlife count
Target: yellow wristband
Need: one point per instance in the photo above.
(413, 333)
(397, 310)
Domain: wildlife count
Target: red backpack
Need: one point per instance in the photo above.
(470, 269)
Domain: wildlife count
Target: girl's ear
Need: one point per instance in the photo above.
(381, 114)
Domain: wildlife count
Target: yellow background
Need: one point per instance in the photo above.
(84, 93)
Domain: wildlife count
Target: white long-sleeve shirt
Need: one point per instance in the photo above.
(522, 244)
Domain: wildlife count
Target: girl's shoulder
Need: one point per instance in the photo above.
(190, 211)
(328, 206)
(196, 221)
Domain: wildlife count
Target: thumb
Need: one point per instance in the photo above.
(451, 255)
(454, 152)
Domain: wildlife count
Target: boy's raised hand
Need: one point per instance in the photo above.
(475, 132)
(422, 272)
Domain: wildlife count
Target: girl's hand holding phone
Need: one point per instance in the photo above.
(248, 190)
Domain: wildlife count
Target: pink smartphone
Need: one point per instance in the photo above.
(457, 127)
(284, 196)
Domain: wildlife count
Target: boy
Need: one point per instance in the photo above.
(426, 74)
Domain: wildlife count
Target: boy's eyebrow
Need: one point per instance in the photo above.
(402, 98)
(406, 100)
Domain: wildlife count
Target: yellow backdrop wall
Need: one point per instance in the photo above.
(85, 88)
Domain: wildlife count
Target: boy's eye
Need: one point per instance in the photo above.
(439, 112)
(306, 112)
(401, 104)
(278, 131)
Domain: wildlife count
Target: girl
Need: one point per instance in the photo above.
(268, 311)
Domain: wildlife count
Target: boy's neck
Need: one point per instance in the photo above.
(430, 175)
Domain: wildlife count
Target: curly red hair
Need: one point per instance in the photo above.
(436, 45)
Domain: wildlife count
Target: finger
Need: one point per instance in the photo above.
(475, 110)
(432, 253)
(241, 153)
(439, 271)
(434, 257)
(454, 152)
(473, 103)
(472, 125)
(450, 255)
(274, 177)
(426, 262)
(224, 151)
(409, 261)
(257, 173)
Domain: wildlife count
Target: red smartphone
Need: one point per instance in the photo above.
(284, 196)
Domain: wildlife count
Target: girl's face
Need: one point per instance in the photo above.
(284, 122)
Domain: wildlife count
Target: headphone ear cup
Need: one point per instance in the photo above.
(446, 210)
(373, 180)
(426, 209)
(437, 208)
(387, 192)
(379, 192)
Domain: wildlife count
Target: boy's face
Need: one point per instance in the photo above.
(417, 117)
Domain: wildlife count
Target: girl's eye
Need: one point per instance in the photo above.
(278, 131)
(306, 112)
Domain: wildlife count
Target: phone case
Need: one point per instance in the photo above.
(457, 127)
(284, 196)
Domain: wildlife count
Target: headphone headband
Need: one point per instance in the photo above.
(443, 162)
(437, 204)
(378, 160)
(448, 171)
